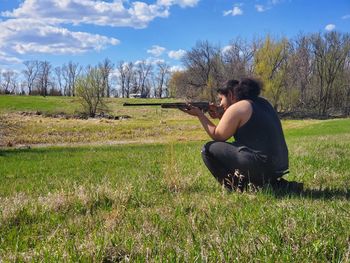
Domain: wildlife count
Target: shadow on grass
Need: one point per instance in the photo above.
(313, 193)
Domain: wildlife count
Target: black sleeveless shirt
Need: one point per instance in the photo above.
(263, 133)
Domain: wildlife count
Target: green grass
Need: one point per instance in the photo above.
(51, 104)
(158, 202)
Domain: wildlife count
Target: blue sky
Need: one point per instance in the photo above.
(87, 31)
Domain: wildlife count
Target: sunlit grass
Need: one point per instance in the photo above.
(156, 201)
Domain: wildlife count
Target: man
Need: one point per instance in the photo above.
(259, 154)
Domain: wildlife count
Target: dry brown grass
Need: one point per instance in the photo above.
(38, 130)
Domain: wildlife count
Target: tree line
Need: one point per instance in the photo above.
(118, 80)
(309, 73)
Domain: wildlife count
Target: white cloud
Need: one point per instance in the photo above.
(346, 17)
(269, 5)
(5, 59)
(236, 11)
(227, 12)
(177, 68)
(176, 54)
(182, 3)
(330, 27)
(118, 13)
(156, 50)
(149, 61)
(226, 49)
(261, 8)
(275, 2)
(38, 26)
(22, 36)
(101, 13)
(154, 61)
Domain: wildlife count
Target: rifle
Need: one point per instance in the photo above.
(203, 105)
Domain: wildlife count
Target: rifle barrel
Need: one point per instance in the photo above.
(179, 105)
(142, 104)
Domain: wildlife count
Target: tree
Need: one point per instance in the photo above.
(270, 66)
(70, 73)
(59, 81)
(125, 77)
(129, 79)
(9, 82)
(330, 52)
(30, 73)
(89, 88)
(204, 63)
(162, 78)
(239, 59)
(178, 85)
(345, 97)
(106, 68)
(121, 69)
(299, 73)
(143, 70)
(43, 78)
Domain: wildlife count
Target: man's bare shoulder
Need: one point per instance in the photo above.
(242, 106)
(241, 110)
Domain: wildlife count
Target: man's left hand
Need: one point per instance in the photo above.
(192, 110)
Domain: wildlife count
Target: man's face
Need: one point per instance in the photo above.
(226, 101)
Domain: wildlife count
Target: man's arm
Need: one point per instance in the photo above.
(227, 125)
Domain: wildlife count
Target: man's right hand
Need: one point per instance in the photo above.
(215, 111)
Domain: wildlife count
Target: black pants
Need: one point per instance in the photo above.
(223, 158)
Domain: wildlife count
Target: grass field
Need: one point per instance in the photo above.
(156, 201)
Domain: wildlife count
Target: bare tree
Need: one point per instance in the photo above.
(130, 78)
(5, 83)
(59, 78)
(30, 73)
(239, 59)
(9, 81)
(70, 73)
(43, 77)
(301, 64)
(297, 91)
(162, 78)
(330, 54)
(143, 70)
(23, 86)
(122, 70)
(15, 83)
(106, 68)
(205, 67)
(126, 78)
(345, 97)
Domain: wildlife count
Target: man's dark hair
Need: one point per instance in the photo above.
(227, 87)
(245, 89)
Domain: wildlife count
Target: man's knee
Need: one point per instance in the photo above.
(206, 149)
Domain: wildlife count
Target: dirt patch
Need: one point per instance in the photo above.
(81, 144)
(78, 116)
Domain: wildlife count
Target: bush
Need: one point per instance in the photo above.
(89, 90)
